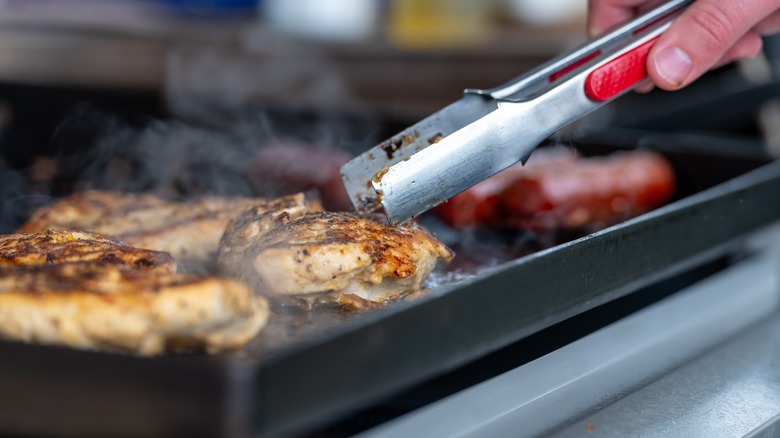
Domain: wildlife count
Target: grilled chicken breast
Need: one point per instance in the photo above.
(83, 210)
(76, 246)
(113, 307)
(328, 257)
(190, 231)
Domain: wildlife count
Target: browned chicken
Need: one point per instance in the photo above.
(118, 308)
(328, 257)
(190, 231)
(90, 291)
(77, 246)
(83, 210)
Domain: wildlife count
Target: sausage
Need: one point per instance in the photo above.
(596, 192)
(289, 167)
(479, 205)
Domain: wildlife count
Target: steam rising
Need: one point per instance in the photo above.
(13, 188)
(174, 158)
(164, 157)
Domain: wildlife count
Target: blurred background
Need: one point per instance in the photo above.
(264, 97)
(177, 96)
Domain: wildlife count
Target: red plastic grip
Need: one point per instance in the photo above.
(619, 74)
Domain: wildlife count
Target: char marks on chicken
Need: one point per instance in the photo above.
(115, 308)
(326, 257)
(51, 247)
(190, 231)
(88, 291)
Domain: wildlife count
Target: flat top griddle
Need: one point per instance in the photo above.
(308, 367)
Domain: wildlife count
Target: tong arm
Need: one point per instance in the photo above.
(529, 109)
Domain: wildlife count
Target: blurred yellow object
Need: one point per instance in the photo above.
(439, 23)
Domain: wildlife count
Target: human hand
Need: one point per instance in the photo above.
(710, 33)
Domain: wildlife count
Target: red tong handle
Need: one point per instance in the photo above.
(618, 75)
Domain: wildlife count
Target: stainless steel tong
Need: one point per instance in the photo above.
(489, 130)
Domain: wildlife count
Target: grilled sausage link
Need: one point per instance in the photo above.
(594, 193)
(479, 205)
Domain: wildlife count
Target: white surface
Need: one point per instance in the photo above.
(333, 20)
(600, 368)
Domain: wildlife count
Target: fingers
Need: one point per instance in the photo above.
(708, 32)
(605, 14)
(748, 46)
(645, 87)
(769, 25)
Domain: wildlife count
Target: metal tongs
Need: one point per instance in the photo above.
(489, 130)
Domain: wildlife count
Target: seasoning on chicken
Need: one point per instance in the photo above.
(52, 247)
(118, 308)
(190, 231)
(325, 257)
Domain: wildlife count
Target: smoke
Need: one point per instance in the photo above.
(95, 149)
(172, 158)
(14, 198)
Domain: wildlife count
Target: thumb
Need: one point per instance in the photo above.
(701, 36)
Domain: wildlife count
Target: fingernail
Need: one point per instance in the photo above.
(673, 65)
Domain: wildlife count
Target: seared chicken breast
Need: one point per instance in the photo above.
(82, 210)
(118, 308)
(190, 231)
(328, 257)
(89, 291)
(51, 247)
